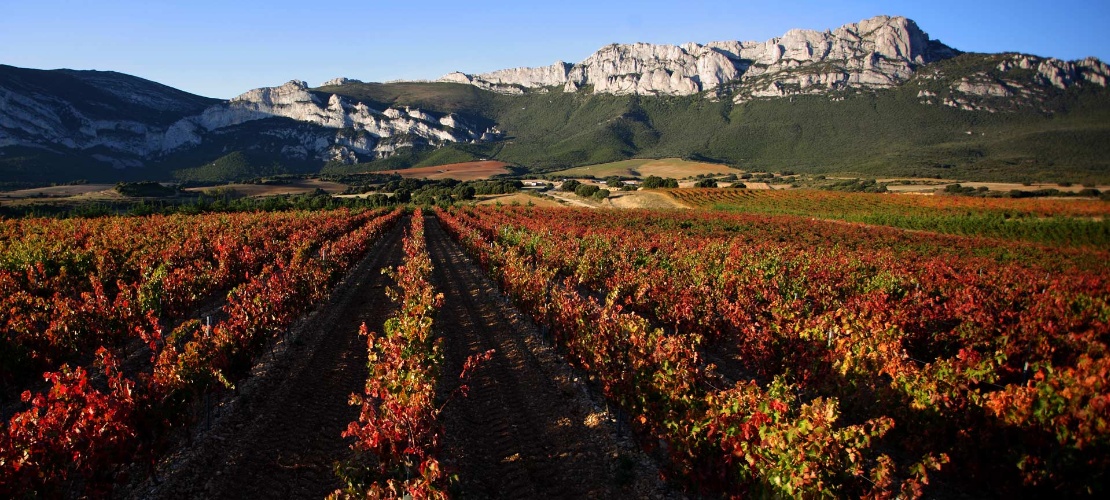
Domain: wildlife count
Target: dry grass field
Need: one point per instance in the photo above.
(468, 171)
(643, 199)
(518, 199)
(300, 186)
(667, 167)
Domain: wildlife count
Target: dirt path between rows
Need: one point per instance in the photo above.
(528, 427)
(281, 436)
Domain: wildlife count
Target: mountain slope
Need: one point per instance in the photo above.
(874, 53)
(63, 125)
(1059, 136)
(878, 97)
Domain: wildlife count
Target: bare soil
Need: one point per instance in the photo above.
(528, 427)
(281, 435)
(299, 186)
(518, 199)
(666, 167)
(643, 199)
(468, 171)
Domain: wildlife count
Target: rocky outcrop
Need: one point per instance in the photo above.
(878, 52)
(344, 129)
(1005, 82)
(339, 81)
(119, 117)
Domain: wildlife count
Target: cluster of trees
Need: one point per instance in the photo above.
(148, 189)
(447, 191)
(957, 189)
(859, 186)
(656, 182)
(585, 190)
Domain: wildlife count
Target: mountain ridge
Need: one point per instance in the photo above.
(721, 100)
(876, 52)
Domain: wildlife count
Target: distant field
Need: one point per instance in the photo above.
(294, 187)
(67, 194)
(469, 171)
(993, 186)
(667, 167)
(642, 199)
(56, 191)
(518, 199)
(1073, 222)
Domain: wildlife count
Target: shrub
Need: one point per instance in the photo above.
(586, 190)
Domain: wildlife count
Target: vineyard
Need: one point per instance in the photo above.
(316, 354)
(130, 290)
(1053, 221)
(794, 357)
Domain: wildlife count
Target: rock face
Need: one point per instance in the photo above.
(339, 81)
(128, 121)
(359, 129)
(1007, 82)
(119, 117)
(878, 52)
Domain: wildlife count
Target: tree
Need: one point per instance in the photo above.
(656, 182)
(570, 186)
(706, 183)
(586, 190)
(464, 192)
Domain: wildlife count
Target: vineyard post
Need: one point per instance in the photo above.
(620, 421)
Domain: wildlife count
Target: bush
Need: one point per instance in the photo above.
(706, 183)
(587, 190)
(570, 186)
(144, 189)
(656, 182)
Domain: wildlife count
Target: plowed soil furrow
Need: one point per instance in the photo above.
(281, 436)
(526, 428)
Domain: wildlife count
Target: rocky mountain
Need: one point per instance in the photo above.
(125, 121)
(357, 130)
(875, 97)
(880, 52)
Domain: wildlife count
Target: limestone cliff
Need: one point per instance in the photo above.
(127, 121)
(880, 52)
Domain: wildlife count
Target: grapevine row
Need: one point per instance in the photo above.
(944, 349)
(72, 285)
(742, 440)
(78, 434)
(397, 434)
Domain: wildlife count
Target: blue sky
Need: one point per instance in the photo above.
(224, 48)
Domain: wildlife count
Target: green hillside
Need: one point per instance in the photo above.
(1046, 135)
(1065, 136)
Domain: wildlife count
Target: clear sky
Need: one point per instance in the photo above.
(223, 48)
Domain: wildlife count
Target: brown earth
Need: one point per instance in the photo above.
(468, 171)
(299, 186)
(643, 199)
(529, 427)
(518, 199)
(280, 437)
